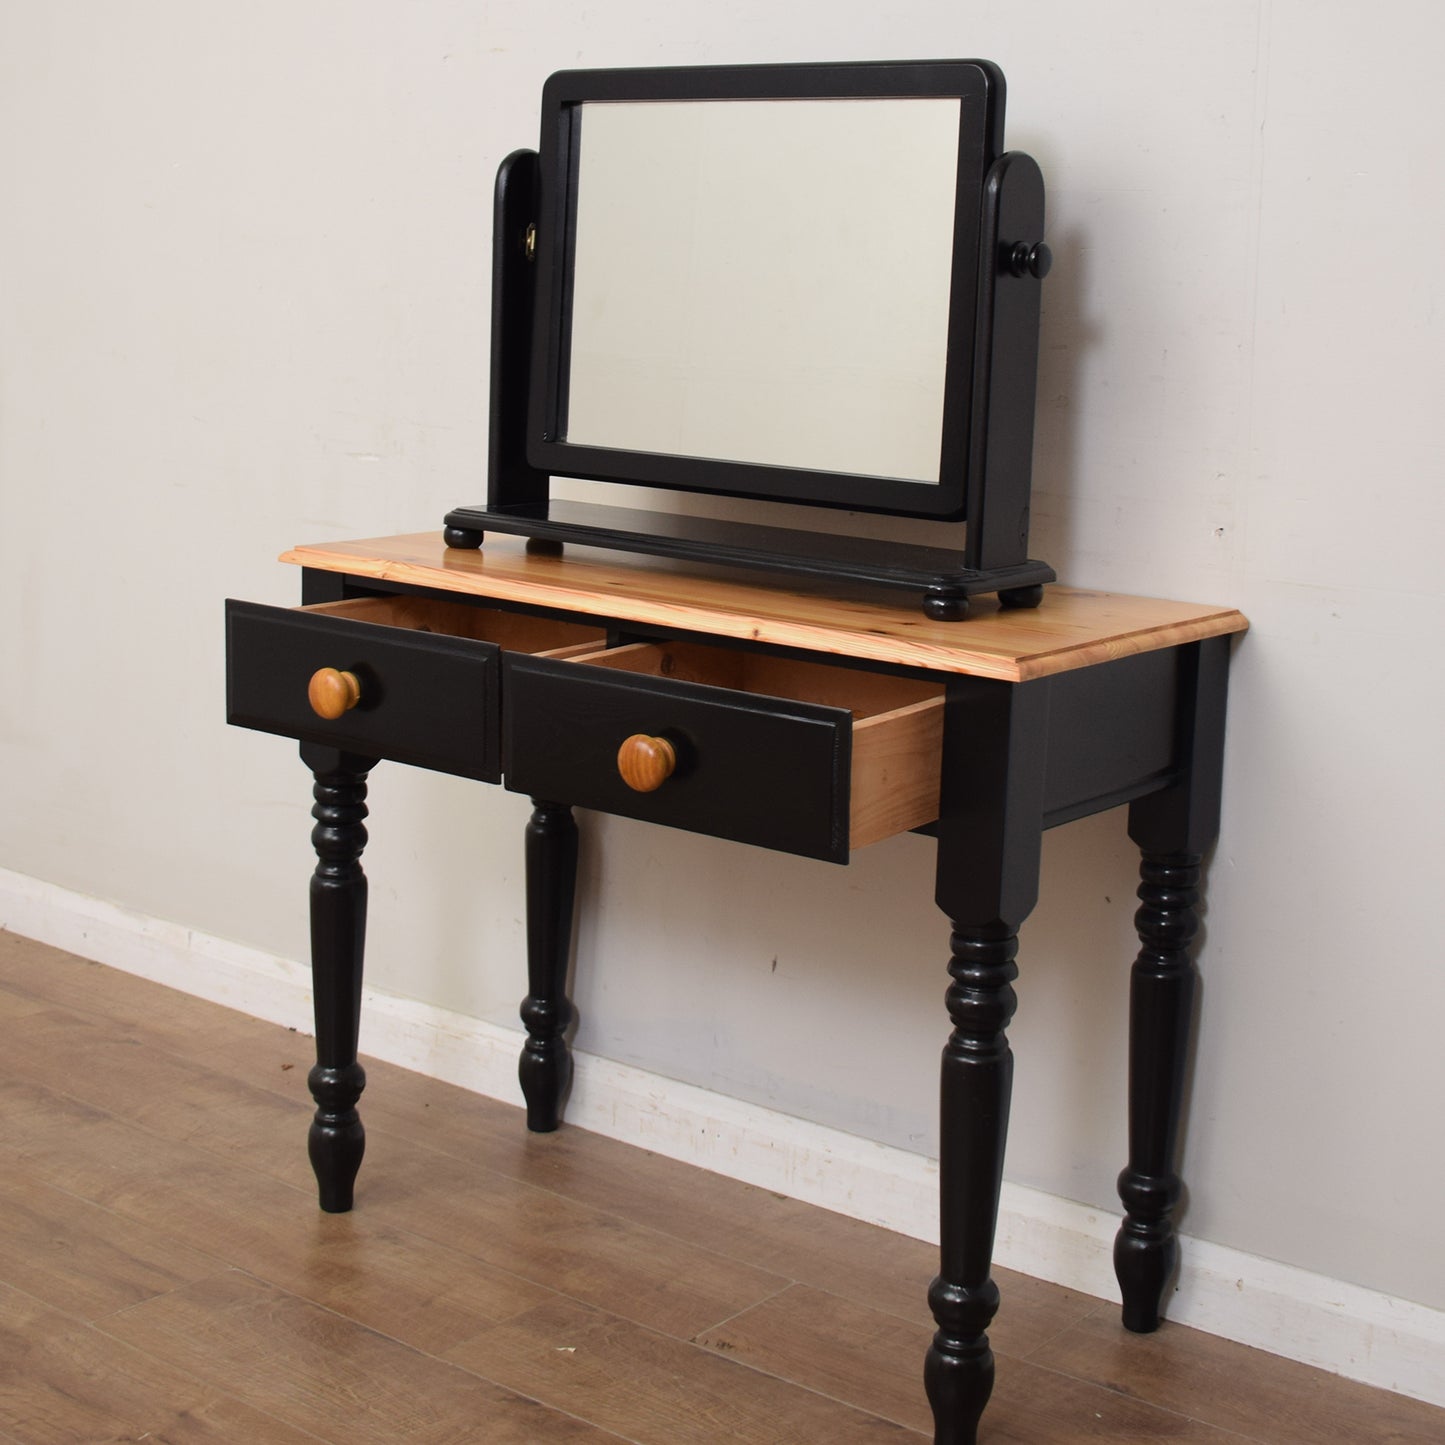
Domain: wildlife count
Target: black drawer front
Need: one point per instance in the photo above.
(426, 698)
(754, 769)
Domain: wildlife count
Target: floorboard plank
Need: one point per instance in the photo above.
(1033, 1406)
(66, 1383)
(14, 1006)
(41, 975)
(421, 1291)
(84, 1260)
(313, 1368)
(133, 1077)
(591, 1255)
(868, 1358)
(658, 1390)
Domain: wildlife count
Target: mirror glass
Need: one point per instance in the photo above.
(764, 281)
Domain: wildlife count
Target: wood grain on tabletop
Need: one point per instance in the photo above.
(1069, 629)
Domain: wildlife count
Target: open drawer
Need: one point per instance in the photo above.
(798, 756)
(413, 679)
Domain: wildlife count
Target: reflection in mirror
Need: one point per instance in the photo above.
(825, 232)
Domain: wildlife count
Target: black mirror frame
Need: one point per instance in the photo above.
(979, 88)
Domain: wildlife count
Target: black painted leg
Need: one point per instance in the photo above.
(545, 1069)
(338, 936)
(1160, 1008)
(1173, 828)
(977, 1078)
(990, 827)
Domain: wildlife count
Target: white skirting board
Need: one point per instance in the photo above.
(1355, 1332)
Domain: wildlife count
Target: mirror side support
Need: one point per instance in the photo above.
(510, 480)
(1014, 260)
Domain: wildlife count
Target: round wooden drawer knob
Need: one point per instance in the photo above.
(332, 693)
(646, 763)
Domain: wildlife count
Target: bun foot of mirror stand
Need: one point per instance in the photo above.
(337, 1141)
(465, 538)
(1021, 596)
(544, 547)
(545, 1070)
(945, 606)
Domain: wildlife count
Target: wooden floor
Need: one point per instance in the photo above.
(166, 1276)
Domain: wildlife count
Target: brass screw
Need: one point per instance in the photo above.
(529, 242)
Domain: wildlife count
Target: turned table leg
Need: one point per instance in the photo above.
(990, 831)
(1173, 828)
(338, 937)
(545, 1069)
(1160, 1010)
(977, 1078)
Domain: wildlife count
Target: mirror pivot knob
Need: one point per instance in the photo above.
(332, 693)
(646, 763)
(1030, 260)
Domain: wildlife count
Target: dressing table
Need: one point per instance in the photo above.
(735, 682)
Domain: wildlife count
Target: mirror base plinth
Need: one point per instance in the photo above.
(934, 574)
